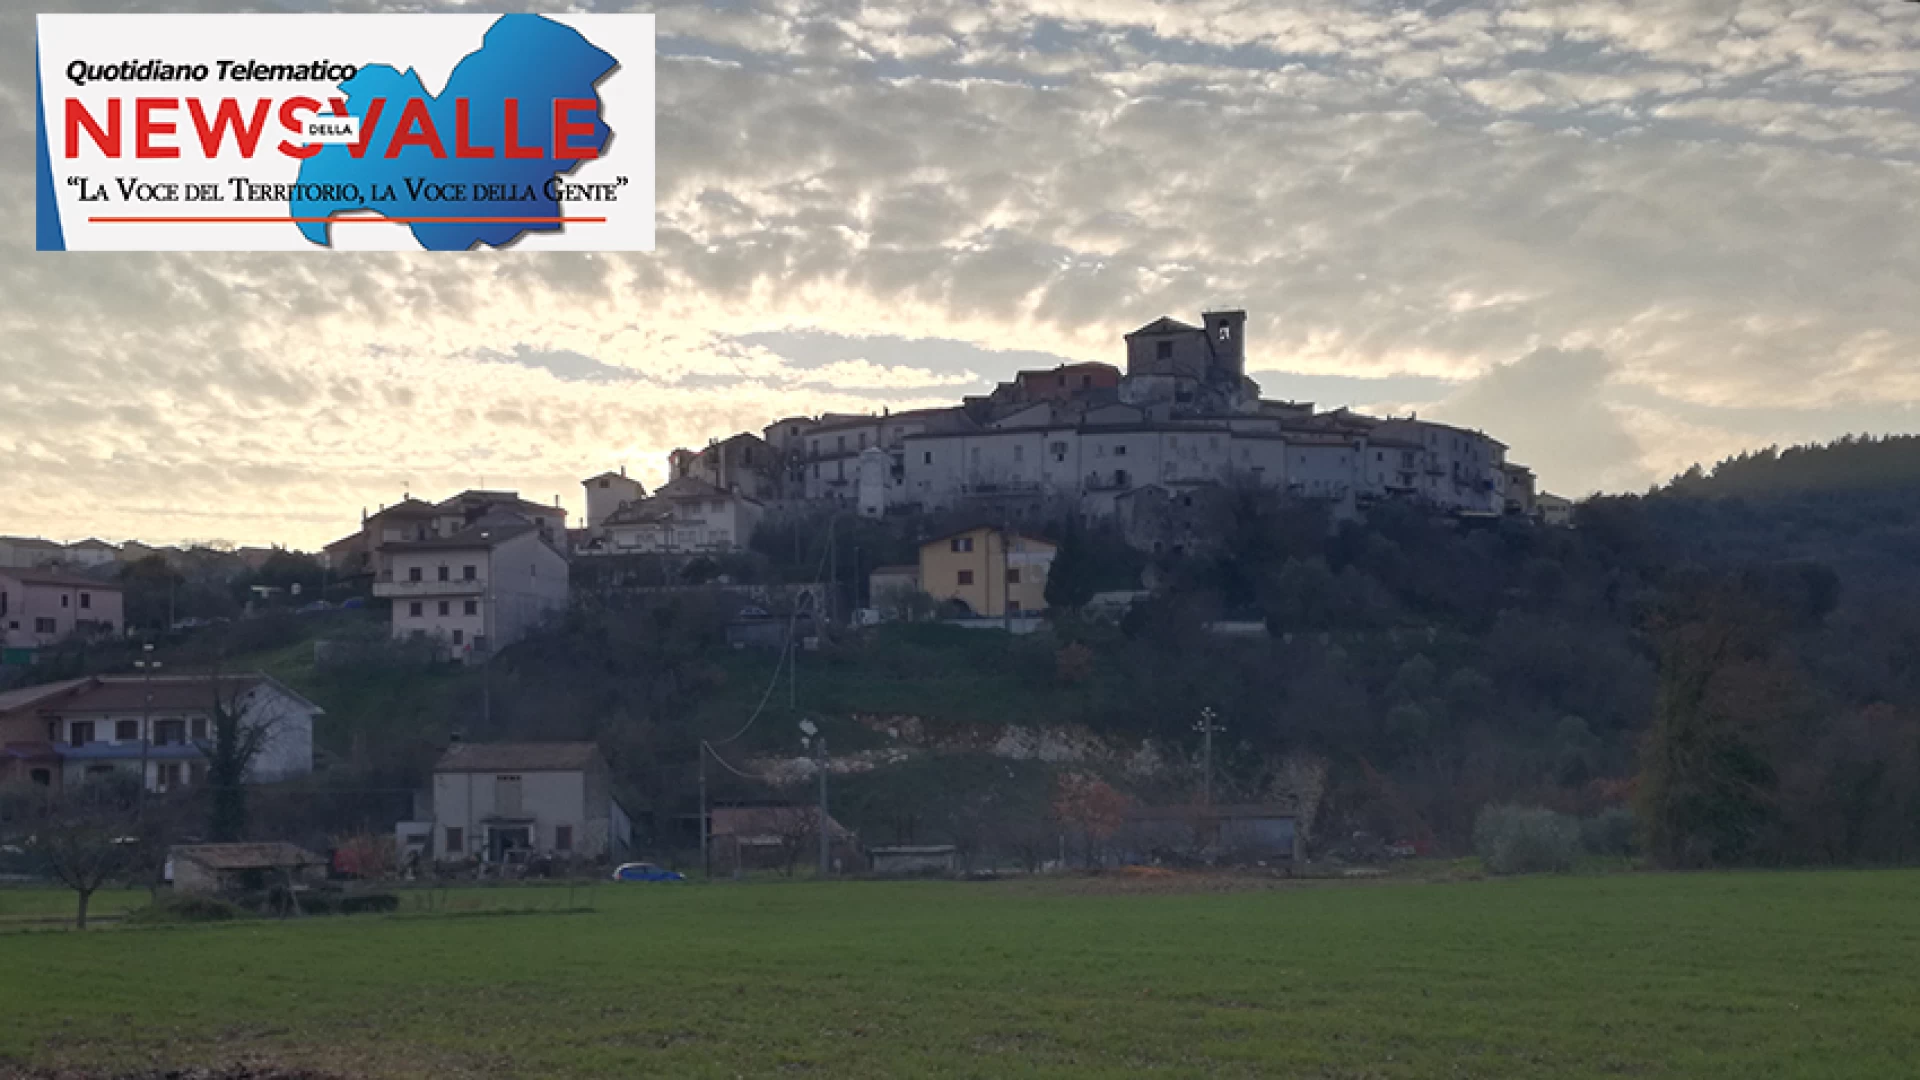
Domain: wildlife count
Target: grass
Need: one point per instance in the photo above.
(1724, 975)
(39, 905)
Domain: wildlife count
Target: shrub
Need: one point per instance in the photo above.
(185, 908)
(369, 903)
(1609, 832)
(1525, 839)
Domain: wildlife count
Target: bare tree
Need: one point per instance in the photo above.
(88, 835)
(793, 827)
(242, 726)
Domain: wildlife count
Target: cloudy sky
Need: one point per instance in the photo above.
(1623, 236)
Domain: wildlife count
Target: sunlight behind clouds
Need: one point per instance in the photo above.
(1694, 224)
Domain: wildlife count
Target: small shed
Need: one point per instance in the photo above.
(908, 861)
(217, 868)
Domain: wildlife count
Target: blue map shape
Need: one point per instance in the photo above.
(527, 57)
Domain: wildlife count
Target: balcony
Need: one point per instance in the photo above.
(413, 590)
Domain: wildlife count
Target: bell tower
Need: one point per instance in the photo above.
(1226, 343)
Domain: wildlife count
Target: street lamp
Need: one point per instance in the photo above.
(1206, 727)
(147, 665)
(810, 734)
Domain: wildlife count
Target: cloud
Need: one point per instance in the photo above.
(1687, 217)
(1550, 408)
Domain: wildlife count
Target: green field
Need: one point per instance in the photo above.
(1722, 975)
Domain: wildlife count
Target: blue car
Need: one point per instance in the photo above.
(645, 871)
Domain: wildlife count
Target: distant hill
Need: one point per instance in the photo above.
(1849, 463)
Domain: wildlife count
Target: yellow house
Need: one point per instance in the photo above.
(994, 571)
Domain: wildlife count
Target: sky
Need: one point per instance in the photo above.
(1623, 237)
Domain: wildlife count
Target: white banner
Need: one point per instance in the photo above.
(345, 132)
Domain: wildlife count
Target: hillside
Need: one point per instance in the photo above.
(1416, 669)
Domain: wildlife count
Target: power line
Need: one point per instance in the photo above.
(786, 653)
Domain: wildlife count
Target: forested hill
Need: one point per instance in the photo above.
(1850, 463)
(1852, 505)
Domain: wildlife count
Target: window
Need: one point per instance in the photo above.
(3, 603)
(413, 573)
(563, 838)
(455, 840)
(839, 443)
(961, 543)
(966, 577)
(413, 609)
(1013, 607)
(1120, 450)
(199, 729)
(469, 573)
(126, 730)
(1059, 450)
(1163, 350)
(1226, 332)
(928, 459)
(42, 777)
(86, 600)
(45, 626)
(863, 440)
(446, 573)
(603, 484)
(472, 607)
(1120, 477)
(459, 637)
(446, 607)
(169, 775)
(1013, 577)
(80, 733)
(169, 732)
(63, 599)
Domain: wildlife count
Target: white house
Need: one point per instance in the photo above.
(479, 590)
(25, 552)
(606, 494)
(684, 516)
(552, 798)
(165, 724)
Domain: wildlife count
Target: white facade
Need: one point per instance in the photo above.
(487, 803)
(1461, 468)
(606, 494)
(477, 591)
(102, 729)
(688, 516)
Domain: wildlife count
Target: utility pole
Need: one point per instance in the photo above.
(706, 857)
(1206, 727)
(825, 839)
(148, 665)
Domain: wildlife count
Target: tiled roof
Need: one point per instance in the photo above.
(170, 693)
(1166, 325)
(479, 535)
(55, 577)
(270, 856)
(517, 757)
(29, 696)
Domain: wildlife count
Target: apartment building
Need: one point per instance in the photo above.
(43, 607)
(477, 590)
(993, 571)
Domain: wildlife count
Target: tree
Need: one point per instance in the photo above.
(87, 835)
(1092, 806)
(239, 735)
(1707, 782)
(1072, 577)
